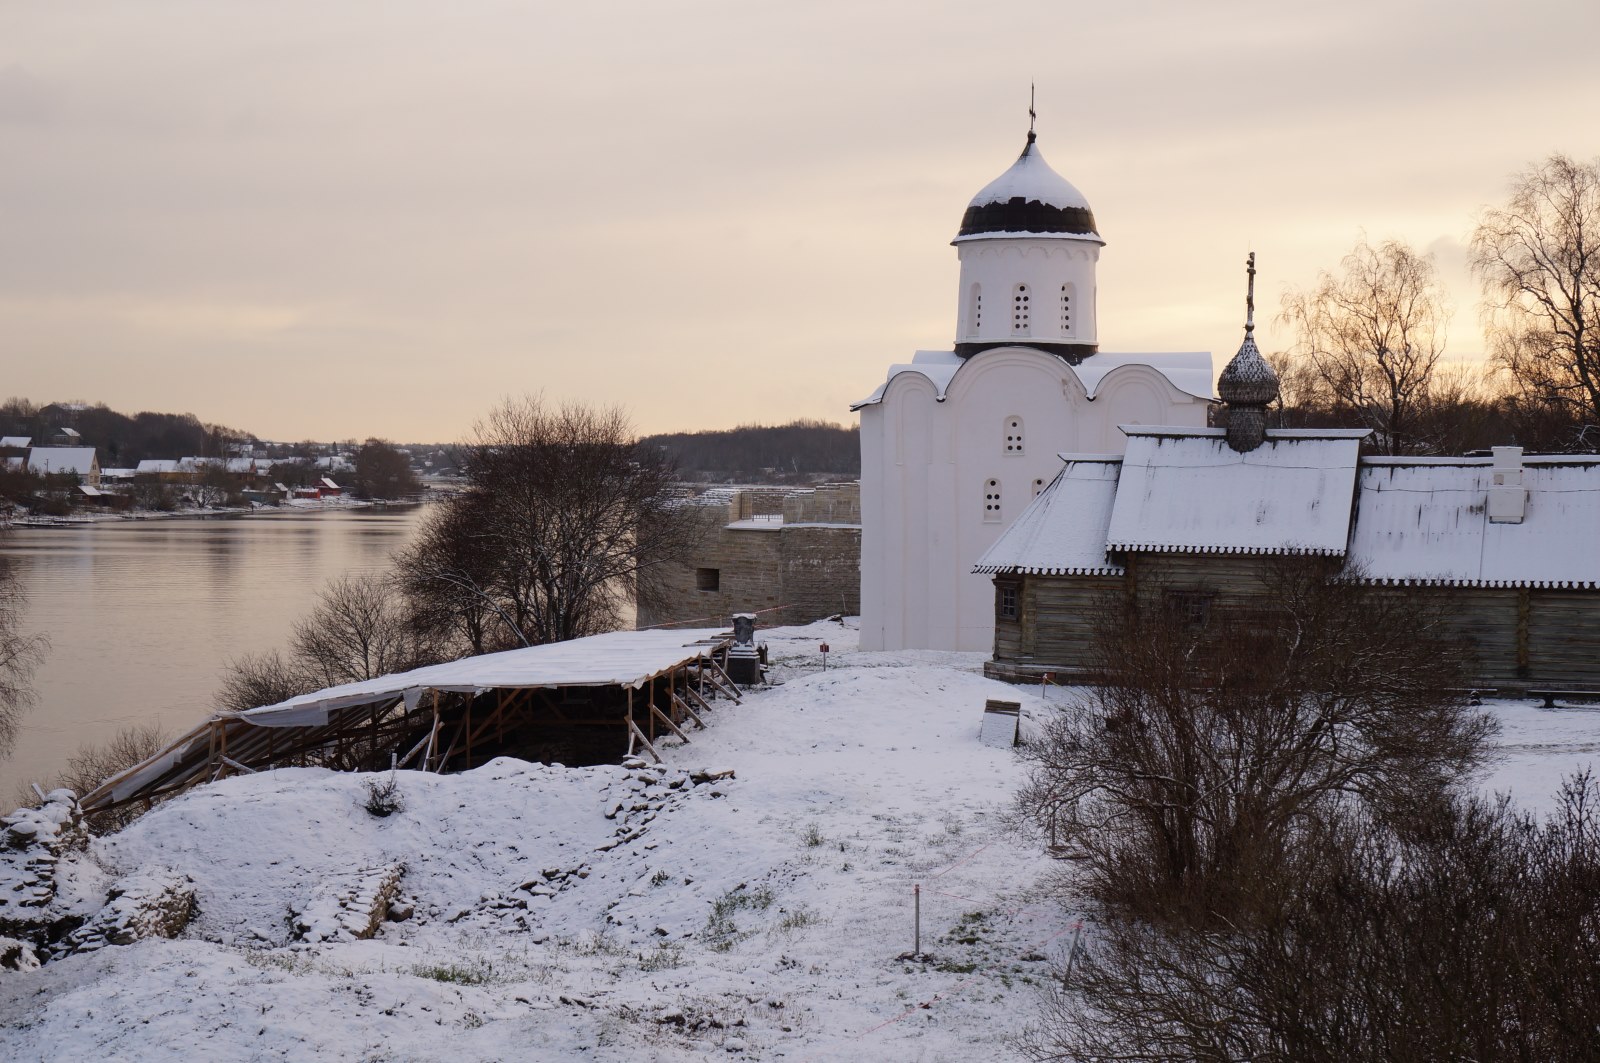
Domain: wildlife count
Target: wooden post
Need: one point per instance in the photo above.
(433, 732)
(638, 734)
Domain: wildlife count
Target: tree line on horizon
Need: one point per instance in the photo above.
(785, 453)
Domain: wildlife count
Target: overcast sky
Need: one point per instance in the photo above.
(340, 219)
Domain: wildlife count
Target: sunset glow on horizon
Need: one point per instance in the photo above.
(335, 221)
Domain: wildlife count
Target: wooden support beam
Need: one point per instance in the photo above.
(684, 707)
(664, 718)
(240, 767)
(633, 729)
(723, 682)
(433, 734)
(705, 706)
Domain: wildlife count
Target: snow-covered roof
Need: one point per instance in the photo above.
(1030, 199)
(157, 465)
(1426, 521)
(1186, 490)
(1063, 531)
(620, 658)
(15, 441)
(330, 484)
(1189, 372)
(78, 460)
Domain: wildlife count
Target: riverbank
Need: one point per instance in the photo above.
(298, 505)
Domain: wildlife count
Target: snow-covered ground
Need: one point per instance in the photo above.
(615, 914)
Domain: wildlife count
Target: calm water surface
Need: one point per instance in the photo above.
(143, 615)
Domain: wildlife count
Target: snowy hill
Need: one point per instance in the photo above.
(666, 913)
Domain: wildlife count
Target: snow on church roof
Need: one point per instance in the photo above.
(1422, 520)
(1186, 490)
(1063, 532)
(1029, 199)
(1189, 372)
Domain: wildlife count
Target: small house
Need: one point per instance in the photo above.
(56, 461)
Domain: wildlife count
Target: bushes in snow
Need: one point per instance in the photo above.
(1264, 806)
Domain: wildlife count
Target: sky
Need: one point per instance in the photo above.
(335, 220)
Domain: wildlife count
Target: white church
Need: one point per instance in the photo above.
(956, 443)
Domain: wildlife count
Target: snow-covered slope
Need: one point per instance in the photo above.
(760, 914)
(615, 913)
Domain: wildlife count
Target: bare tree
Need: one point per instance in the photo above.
(92, 765)
(566, 519)
(20, 655)
(1539, 261)
(359, 629)
(1211, 741)
(267, 678)
(1373, 335)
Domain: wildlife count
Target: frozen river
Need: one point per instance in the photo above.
(143, 615)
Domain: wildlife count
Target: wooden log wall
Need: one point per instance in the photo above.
(1522, 637)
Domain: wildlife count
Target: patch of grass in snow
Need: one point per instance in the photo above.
(477, 972)
(660, 878)
(721, 932)
(665, 957)
(812, 835)
(799, 918)
(599, 943)
(292, 962)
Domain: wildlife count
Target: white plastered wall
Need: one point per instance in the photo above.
(925, 464)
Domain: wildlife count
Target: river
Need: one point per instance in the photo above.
(143, 616)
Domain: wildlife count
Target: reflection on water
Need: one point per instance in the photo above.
(143, 615)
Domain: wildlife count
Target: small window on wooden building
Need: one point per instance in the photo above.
(1005, 601)
(1013, 435)
(707, 579)
(991, 500)
(1190, 607)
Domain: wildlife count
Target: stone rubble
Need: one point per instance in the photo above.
(144, 905)
(350, 907)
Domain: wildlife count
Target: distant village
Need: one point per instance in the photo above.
(59, 474)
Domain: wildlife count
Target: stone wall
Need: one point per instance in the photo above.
(810, 561)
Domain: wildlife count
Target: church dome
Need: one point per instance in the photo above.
(1029, 198)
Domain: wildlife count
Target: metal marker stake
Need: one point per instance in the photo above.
(916, 902)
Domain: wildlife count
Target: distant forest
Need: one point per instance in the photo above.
(122, 440)
(797, 452)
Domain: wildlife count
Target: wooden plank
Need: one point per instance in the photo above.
(683, 706)
(633, 729)
(664, 718)
(721, 677)
(705, 706)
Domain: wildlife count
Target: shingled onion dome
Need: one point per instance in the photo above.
(1030, 197)
(1248, 385)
